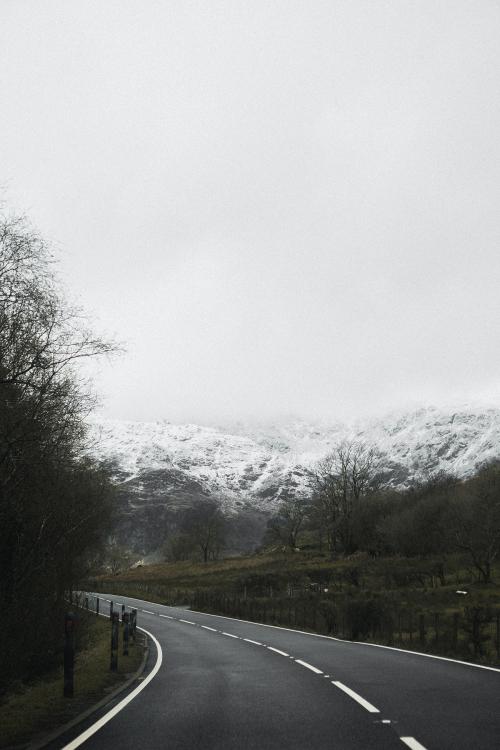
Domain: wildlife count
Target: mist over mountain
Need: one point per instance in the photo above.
(161, 468)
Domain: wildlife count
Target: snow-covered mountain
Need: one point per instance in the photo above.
(161, 466)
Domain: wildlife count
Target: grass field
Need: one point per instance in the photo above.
(32, 710)
(404, 601)
(282, 571)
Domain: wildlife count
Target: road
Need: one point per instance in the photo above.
(224, 684)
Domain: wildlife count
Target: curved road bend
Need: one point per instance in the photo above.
(226, 684)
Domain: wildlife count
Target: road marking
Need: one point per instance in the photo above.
(357, 697)
(277, 651)
(230, 635)
(412, 743)
(121, 705)
(167, 616)
(255, 643)
(147, 611)
(352, 643)
(205, 627)
(188, 622)
(309, 666)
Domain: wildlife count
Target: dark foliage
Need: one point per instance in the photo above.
(54, 502)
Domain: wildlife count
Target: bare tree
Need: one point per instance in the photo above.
(343, 479)
(475, 519)
(285, 525)
(204, 525)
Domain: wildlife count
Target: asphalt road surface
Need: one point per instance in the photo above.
(226, 684)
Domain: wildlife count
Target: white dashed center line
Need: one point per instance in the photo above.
(357, 698)
(277, 651)
(309, 666)
(412, 743)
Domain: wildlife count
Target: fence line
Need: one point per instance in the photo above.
(470, 632)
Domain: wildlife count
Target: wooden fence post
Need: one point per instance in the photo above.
(498, 635)
(113, 665)
(133, 620)
(69, 654)
(455, 631)
(125, 620)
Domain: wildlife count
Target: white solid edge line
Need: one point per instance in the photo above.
(248, 640)
(354, 643)
(230, 635)
(339, 640)
(369, 707)
(277, 651)
(412, 743)
(121, 705)
(421, 653)
(308, 666)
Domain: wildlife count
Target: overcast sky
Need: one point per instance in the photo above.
(280, 207)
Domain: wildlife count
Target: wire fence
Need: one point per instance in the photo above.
(470, 632)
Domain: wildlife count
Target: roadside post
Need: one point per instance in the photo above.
(498, 635)
(69, 653)
(133, 621)
(114, 641)
(97, 605)
(421, 627)
(126, 631)
(110, 610)
(123, 611)
(455, 631)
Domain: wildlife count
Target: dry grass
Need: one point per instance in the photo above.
(38, 708)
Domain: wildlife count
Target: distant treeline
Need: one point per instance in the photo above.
(55, 503)
(350, 511)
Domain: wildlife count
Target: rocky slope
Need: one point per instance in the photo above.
(161, 467)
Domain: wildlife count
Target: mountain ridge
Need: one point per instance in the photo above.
(160, 467)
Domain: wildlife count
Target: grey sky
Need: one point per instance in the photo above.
(279, 206)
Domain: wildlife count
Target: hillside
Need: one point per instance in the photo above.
(161, 467)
